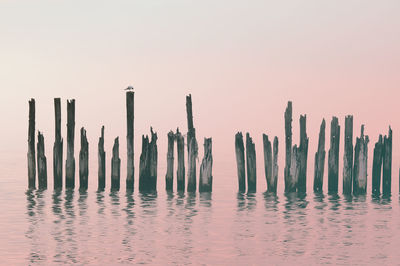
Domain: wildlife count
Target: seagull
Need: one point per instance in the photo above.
(130, 88)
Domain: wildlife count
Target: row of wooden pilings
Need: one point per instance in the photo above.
(148, 158)
(355, 164)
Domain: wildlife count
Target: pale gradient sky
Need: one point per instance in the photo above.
(241, 60)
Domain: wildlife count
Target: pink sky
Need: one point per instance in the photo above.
(241, 62)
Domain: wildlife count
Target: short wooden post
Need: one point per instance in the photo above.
(268, 162)
(239, 150)
(333, 157)
(275, 167)
(288, 144)
(130, 178)
(31, 146)
(83, 162)
(360, 164)
(251, 165)
(169, 177)
(387, 164)
(192, 146)
(303, 153)
(41, 162)
(291, 185)
(148, 164)
(153, 163)
(377, 166)
(348, 155)
(320, 160)
(102, 163)
(206, 177)
(58, 147)
(70, 163)
(115, 167)
(180, 174)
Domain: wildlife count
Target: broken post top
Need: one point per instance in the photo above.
(189, 112)
(116, 148)
(84, 142)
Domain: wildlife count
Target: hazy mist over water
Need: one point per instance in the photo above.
(241, 62)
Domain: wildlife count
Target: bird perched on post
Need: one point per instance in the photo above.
(130, 88)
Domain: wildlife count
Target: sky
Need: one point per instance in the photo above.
(241, 61)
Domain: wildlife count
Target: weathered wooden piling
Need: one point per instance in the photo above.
(153, 163)
(58, 147)
(148, 164)
(275, 167)
(169, 177)
(206, 177)
(41, 162)
(333, 157)
(192, 146)
(180, 174)
(320, 160)
(291, 185)
(377, 166)
(303, 153)
(115, 167)
(101, 162)
(348, 155)
(288, 144)
(239, 150)
(31, 146)
(387, 164)
(130, 178)
(268, 162)
(360, 164)
(83, 162)
(251, 165)
(70, 163)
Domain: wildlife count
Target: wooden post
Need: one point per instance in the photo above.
(291, 185)
(148, 164)
(102, 163)
(387, 164)
(31, 146)
(333, 157)
(275, 167)
(268, 162)
(192, 146)
(169, 177)
(58, 147)
(130, 178)
(288, 144)
(83, 162)
(41, 162)
(320, 160)
(206, 177)
(348, 155)
(251, 165)
(180, 174)
(303, 153)
(239, 149)
(153, 152)
(70, 163)
(115, 167)
(377, 166)
(360, 164)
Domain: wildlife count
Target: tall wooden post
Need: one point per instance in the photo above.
(169, 177)
(58, 147)
(115, 167)
(206, 177)
(360, 164)
(102, 163)
(83, 162)
(303, 153)
(333, 157)
(239, 150)
(130, 179)
(288, 144)
(70, 163)
(31, 146)
(291, 185)
(348, 155)
(320, 160)
(144, 170)
(275, 167)
(387, 164)
(192, 146)
(180, 174)
(377, 166)
(251, 165)
(268, 162)
(41, 162)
